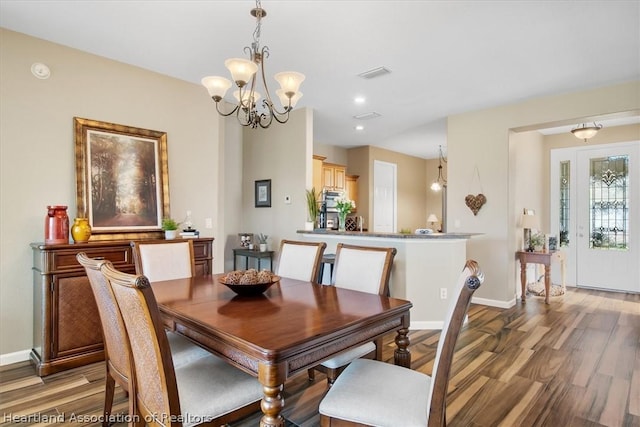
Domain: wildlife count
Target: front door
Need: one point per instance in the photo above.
(608, 217)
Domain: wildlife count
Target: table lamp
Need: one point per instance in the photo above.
(527, 222)
(432, 219)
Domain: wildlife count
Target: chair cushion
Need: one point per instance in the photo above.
(367, 392)
(183, 351)
(349, 355)
(209, 387)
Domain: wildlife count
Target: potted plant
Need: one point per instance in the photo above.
(536, 241)
(262, 240)
(312, 209)
(170, 227)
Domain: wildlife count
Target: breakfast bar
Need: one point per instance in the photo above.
(425, 269)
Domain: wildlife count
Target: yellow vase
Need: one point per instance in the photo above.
(81, 230)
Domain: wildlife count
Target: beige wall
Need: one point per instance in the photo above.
(282, 154)
(37, 151)
(333, 153)
(412, 184)
(481, 139)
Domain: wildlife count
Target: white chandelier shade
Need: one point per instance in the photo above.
(245, 76)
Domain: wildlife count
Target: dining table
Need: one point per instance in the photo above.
(292, 326)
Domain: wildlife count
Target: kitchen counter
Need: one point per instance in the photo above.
(326, 231)
(425, 269)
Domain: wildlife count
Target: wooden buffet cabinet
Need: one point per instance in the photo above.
(66, 325)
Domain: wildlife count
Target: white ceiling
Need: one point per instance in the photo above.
(446, 57)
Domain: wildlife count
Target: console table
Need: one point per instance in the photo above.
(250, 253)
(66, 326)
(539, 258)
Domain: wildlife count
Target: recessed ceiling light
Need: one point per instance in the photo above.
(359, 99)
(359, 127)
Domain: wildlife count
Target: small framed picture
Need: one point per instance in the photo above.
(263, 193)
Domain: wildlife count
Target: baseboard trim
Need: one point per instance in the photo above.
(418, 326)
(493, 302)
(15, 357)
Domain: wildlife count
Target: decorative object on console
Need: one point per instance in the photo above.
(262, 240)
(245, 240)
(81, 230)
(528, 221)
(56, 225)
(243, 72)
(170, 227)
(344, 206)
(115, 203)
(586, 132)
(536, 242)
(262, 196)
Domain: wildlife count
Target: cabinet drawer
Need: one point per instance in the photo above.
(66, 259)
(201, 250)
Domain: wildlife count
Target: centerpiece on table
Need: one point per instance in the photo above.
(344, 207)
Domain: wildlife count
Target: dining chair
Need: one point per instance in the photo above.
(371, 392)
(206, 390)
(300, 260)
(164, 259)
(365, 269)
(117, 352)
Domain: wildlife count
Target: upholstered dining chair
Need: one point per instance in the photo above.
(117, 352)
(365, 269)
(371, 392)
(300, 260)
(207, 389)
(164, 259)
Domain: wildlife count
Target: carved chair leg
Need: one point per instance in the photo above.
(109, 391)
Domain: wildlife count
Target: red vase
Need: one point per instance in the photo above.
(56, 225)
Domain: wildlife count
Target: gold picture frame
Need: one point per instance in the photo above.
(122, 179)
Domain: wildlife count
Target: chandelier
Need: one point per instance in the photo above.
(440, 182)
(243, 73)
(586, 132)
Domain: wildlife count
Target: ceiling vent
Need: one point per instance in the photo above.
(375, 72)
(367, 116)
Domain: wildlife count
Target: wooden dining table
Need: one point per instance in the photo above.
(292, 326)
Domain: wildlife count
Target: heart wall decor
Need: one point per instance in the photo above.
(475, 202)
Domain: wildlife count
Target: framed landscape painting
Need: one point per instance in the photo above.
(122, 179)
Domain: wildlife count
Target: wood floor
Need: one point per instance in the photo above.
(575, 362)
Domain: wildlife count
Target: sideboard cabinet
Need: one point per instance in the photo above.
(66, 325)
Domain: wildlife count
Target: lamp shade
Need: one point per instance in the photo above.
(432, 218)
(246, 95)
(217, 86)
(242, 70)
(284, 99)
(529, 221)
(289, 81)
(585, 132)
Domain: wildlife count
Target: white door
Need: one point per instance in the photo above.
(608, 217)
(384, 197)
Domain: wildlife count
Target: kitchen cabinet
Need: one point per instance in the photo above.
(66, 325)
(333, 176)
(317, 172)
(351, 189)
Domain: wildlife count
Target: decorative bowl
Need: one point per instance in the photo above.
(249, 290)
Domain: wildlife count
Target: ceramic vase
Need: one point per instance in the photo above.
(81, 230)
(170, 234)
(56, 225)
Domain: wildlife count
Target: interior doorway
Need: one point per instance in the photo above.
(384, 197)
